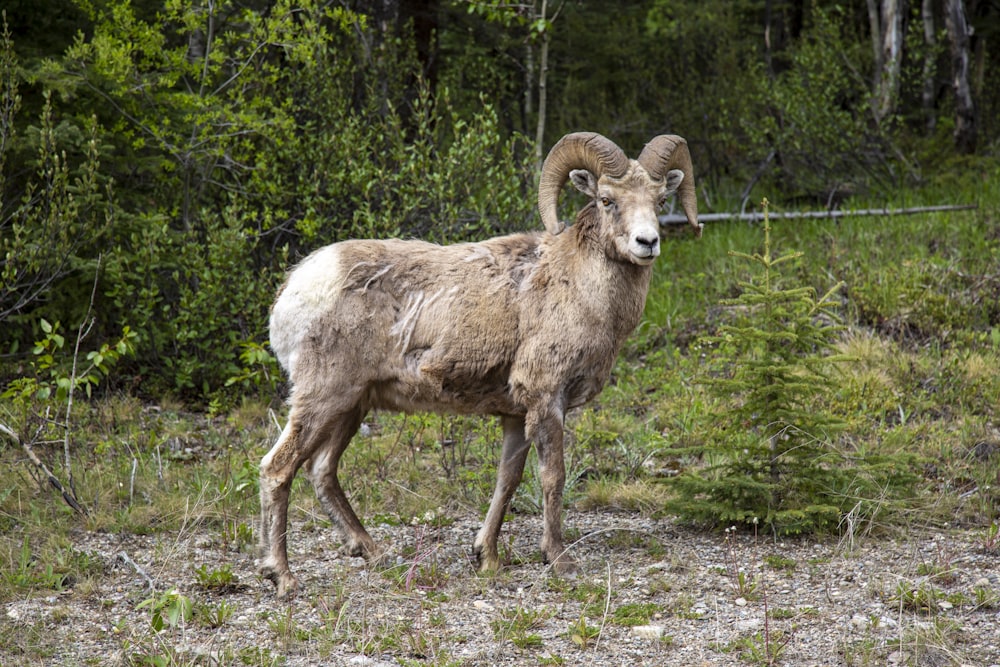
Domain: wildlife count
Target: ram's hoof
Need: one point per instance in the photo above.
(285, 583)
(488, 562)
(288, 587)
(563, 565)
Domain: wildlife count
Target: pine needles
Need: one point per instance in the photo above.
(772, 457)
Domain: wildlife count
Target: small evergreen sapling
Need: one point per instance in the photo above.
(770, 459)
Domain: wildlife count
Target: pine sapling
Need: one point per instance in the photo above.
(770, 459)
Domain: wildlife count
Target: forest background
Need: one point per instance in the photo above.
(164, 162)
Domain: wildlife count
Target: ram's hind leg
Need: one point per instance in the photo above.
(277, 470)
(515, 451)
(322, 472)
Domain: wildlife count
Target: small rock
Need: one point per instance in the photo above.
(648, 631)
(740, 602)
(749, 625)
(482, 605)
(366, 661)
(897, 658)
(860, 621)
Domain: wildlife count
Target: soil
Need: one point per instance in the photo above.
(648, 592)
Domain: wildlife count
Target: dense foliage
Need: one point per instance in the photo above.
(236, 140)
(184, 153)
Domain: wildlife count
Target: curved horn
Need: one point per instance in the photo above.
(579, 150)
(666, 152)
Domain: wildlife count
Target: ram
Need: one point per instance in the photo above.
(524, 327)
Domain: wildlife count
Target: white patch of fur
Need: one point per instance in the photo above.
(375, 276)
(265, 463)
(403, 328)
(641, 224)
(310, 289)
(527, 282)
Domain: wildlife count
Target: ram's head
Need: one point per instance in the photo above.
(627, 194)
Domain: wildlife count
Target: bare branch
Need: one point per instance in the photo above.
(675, 219)
(53, 481)
(87, 322)
(125, 558)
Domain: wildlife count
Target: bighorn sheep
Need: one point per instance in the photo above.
(524, 327)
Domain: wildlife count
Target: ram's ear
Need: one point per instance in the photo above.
(674, 178)
(584, 181)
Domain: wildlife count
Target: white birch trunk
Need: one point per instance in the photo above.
(891, 58)
(927, 94)
(543, 70)
(965, 110)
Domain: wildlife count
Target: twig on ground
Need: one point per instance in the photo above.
(607, 608)
(123, 556)
(52, 479)
(131, 480)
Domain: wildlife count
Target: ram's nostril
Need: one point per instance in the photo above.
(649, 242)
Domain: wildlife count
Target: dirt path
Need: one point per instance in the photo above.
(648, 593)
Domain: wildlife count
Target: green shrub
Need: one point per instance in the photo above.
(234, 157)
(56, 210)
(808, 124)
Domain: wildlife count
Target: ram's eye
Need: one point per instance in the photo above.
(606, 202)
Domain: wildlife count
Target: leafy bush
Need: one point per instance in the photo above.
(809, 127)
(55, 209)
(55, 372)
(240, 140)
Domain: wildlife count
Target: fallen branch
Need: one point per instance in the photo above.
(676, 219)
(53, 480)
(125, 558)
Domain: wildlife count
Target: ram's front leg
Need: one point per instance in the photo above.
(546, 429)
(515, 451)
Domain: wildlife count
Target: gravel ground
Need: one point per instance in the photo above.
(931, 598)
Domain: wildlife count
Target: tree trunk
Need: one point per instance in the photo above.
(927, 95)
(529, 85)
(875, 28)
(965, 110)
(424, 15)
(543, 70)
(889, 54)
(768, 63)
